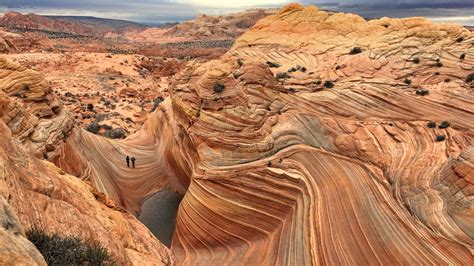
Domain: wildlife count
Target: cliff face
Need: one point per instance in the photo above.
(336, 160)
(34, 192)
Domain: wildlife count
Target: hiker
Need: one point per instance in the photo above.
(133, 162)
(128, 161)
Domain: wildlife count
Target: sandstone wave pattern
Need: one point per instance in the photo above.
(317, 139)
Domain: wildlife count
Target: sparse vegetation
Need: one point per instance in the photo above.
(273, 65)
(416, 60)
(431, 124)
(293, 69)
(422, 92)
(328, 84)
(282, 75)
(68, 250)
(447, 80)
(93, 127)
(240, 62)
(440, 138)
(303, 69)
(218, 87)
(444, 124)
(460, 39)
(355, 50)
(462, 56)
(157, 101)
(407, 81)
(439, 64)
(90, 107)
(470, 77)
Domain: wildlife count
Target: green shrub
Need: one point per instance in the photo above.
(407, 81)
(328, 84)
(462, 56)
(431, 124)
(416, 60)
(68, 250)
(90, 106)
(439, 64)
(470, 77)
(444, 124)
(355, 50)
(93, 127)
(422, 92)
(440, 138)
(273, 65)
(218, 87)
(282, 75)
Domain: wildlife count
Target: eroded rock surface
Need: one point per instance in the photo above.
(330, 163)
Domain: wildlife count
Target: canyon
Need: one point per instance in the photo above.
(316, 138)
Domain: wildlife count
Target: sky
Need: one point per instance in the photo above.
(159, 11)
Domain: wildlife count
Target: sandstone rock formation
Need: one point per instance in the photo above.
(215, 27)
(35, 193)
(32, 112)
(308, 143)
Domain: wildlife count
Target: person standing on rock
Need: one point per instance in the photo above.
(133, 162)
(128, 161)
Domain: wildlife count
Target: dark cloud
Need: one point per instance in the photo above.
(178, 10)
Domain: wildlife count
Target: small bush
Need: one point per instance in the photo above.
(436, 73)
(470, 77)
(303, 69)
(273, 65)
(407, 81)
(328, 84)
(460, 39)
(240, 62)
(218, 87)
(116, 133)
(416, 60)
(462, 56)
(431, 124)
(90, 107)
(444, 124)
(93, 127)
(440, 138)
(355, 50)
(157, 101)
(282, 75)
(318, 82)
(338, 67)
(293, 69)
(422, 92)
(439, 64)
(447, 80)
(68, 250)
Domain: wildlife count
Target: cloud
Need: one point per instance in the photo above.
(179, 10)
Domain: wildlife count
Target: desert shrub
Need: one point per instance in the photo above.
(90, 107)
(282, 75)
(293, 69)
(303, 69)
(273, 65)
(218, 87)
(440, 138)
(355, 50)
(447, 80)
(460, 39)
(416, 60)
(462, 56)
(431, 124)
(318, 82)
(422, 92)
(26, 87)
(436, 73)
(444, 124)
(240, 62)
(116, 133)
(439, 64)
(156, 103)
(407, 81)
(93, 127)
(328, 84)
(470, 77)
(68, 250)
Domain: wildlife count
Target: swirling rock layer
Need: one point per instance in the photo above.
(330, 163)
